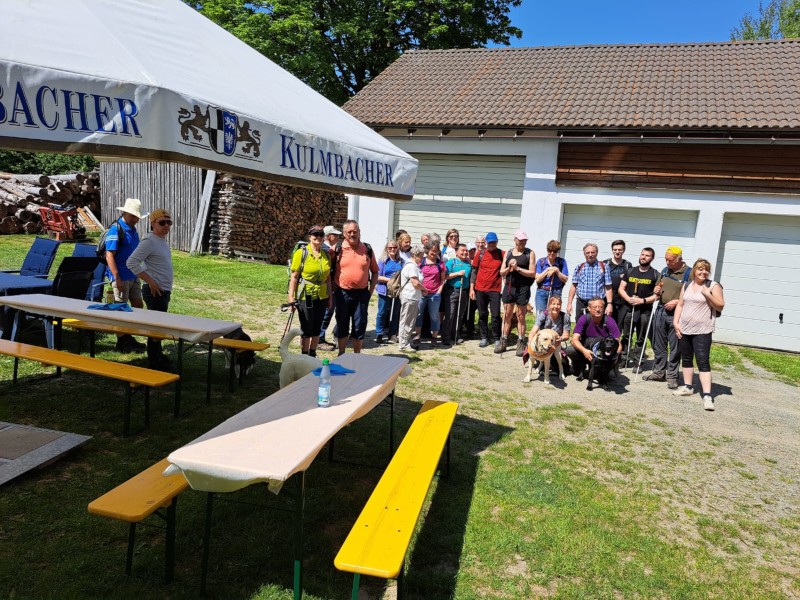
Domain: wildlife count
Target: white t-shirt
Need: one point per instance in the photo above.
(408, 292)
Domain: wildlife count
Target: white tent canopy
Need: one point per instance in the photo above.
(155, 80)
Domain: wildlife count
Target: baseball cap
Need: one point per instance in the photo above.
(491, 237)
(520, 235)
(157, 214)
(331, 229)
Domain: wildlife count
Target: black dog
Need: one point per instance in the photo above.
(246, 359)
(604, 359)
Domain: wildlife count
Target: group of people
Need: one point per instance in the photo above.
(443, 283)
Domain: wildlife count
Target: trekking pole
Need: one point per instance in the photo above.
(391, 318)
(458, 309)
(630, 337)
(646, 334)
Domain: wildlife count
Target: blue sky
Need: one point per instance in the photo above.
(576, 22)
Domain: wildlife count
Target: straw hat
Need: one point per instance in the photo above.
(133, 206)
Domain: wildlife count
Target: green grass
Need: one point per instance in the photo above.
(552, 500)
(784, 365)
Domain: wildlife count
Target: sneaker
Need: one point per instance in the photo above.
(407, 349)
(500, 346)
(684, 390)
(484, 343)
(393, 339)
(521, 345)
(379, 339)
(459, 341)
(672, 384)
(655, 377)
(581, 376)
(708, 402)
(446, 343)
(326, 346)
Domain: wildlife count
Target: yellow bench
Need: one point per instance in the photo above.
(235, 346)
(135, 377)
(140, 497)
(378, 542)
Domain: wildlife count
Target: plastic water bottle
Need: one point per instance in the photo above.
(324, 391)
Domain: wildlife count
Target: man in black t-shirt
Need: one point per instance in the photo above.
(637, 290)
(617, 267)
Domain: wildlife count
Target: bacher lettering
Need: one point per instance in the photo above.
(69, 110)
(308, 159)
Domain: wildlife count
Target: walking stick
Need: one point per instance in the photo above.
(391, 318)
(284, 308)
(646, 334)
(630, 337)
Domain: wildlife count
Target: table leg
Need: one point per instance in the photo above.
(208, 372)
(177, 412)
(298, 535)
(206, 544)
(391, 424)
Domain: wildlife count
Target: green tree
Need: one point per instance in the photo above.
(338, 46)
(775, 20)
(44, 164)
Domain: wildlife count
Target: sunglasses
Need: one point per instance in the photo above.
(163, 222)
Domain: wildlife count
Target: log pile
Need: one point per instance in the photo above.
(22, 195)
(258, 220)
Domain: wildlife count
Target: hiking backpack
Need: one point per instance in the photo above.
(100, 249)
(393, 286)
(337, 254)
(300, 244)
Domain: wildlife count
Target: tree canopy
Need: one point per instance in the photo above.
(338, 46)
(44, 164)
(775, 20)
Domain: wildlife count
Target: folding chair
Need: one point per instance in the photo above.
(39, 259)
(95, 291)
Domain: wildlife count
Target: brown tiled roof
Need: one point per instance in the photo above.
(730, 85)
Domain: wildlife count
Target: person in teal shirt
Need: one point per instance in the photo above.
(455, 295)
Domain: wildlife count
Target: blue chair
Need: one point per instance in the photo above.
(39, 259)
(95, 291)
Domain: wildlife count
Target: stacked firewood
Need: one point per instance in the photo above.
(258, 220)
(22, 195)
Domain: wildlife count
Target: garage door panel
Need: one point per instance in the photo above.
(640, 228)
(780, 256)
(760, 270)
(474, 194)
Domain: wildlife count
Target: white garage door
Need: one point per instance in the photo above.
(760, 270)
(473, 194)
(639, 227)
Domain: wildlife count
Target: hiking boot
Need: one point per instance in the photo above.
(162, 363)
(708, 402)
(655, 377)
(521, 345)
(326, 346)
(125, 344)
(393, 339)
(500, 346)
(581, 376)
(672, 384)
(684, 390)
(379, 339)
(484, 343)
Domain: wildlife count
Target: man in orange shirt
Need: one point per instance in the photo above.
(355, 275)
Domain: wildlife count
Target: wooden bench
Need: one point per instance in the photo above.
(140, 497)
(135, 377)
(378, 542)
(236, 346)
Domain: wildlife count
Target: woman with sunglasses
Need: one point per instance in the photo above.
(451, 245)
(310, 286)
(388, 321)
(151, 261)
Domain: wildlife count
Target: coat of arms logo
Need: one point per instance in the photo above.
(220, 130)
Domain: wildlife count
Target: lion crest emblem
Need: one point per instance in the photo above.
(220, 130)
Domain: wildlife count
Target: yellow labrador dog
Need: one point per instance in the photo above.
(541, 347)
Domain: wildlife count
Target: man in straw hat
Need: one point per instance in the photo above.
(121, 241)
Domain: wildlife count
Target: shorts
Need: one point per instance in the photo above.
(519, 296)
(127, 290)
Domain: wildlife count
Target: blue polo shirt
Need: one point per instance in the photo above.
(124, 248)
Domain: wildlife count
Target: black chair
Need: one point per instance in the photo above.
(95, 292)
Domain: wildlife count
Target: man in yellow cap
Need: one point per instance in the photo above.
(667, 359)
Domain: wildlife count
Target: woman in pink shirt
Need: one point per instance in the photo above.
(434, 276)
